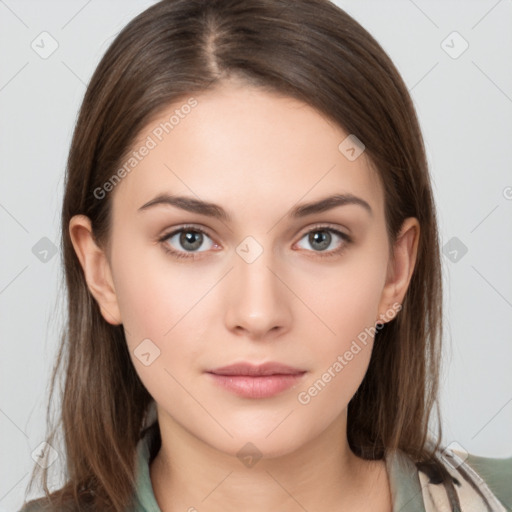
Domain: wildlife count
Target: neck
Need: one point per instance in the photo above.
(188, 474)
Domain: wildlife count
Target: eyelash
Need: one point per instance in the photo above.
(192, 255)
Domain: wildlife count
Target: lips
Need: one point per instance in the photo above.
(256, 381)
(271, 368)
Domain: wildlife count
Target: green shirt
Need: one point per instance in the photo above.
(411, 489)
(406, 489)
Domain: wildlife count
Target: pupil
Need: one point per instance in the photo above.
(321, 237)
(188, 238)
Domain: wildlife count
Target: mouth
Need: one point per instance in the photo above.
(253, 370)
(256, 381)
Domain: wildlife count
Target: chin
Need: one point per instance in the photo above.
(252, 447)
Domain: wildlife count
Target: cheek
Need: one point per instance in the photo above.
(341, 357)
(154, 293)
(159, 308)
(348, 308)
(347, 300)
(161, 304)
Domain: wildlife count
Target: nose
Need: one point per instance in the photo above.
(257, 298)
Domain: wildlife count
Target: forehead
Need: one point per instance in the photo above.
(240, 146)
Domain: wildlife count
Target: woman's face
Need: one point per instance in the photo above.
(261, 277)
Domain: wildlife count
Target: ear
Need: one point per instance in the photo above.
(400, 269)
(96, 268)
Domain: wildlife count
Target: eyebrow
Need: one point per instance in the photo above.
(214, 210)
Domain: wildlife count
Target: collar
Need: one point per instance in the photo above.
(406, 491)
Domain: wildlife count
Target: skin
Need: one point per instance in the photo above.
(257, 155)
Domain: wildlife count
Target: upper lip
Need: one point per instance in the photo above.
(271, 368)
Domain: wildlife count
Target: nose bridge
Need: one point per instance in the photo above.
(257, 299)
(256, 282)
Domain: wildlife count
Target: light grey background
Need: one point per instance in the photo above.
(465, 109)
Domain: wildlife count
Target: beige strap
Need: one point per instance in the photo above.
(436, 498)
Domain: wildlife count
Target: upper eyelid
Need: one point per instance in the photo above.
(315, 227)
(187, 227)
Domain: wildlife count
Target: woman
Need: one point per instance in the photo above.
(253, 273)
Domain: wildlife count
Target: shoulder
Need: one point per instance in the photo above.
(36, 506)
(476, 483)
(46, 505)
(43, 506)
(496, 473)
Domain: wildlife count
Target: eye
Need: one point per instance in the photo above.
(323, 237)
(185, 241)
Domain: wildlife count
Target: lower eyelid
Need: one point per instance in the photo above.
(192, 254)
(346, 239)
(165, 239)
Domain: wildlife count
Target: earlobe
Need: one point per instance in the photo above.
(96, 268)
(401, 268)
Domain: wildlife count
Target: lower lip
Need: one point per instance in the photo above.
(262, 386)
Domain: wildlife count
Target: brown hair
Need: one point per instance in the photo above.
(310, 50)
